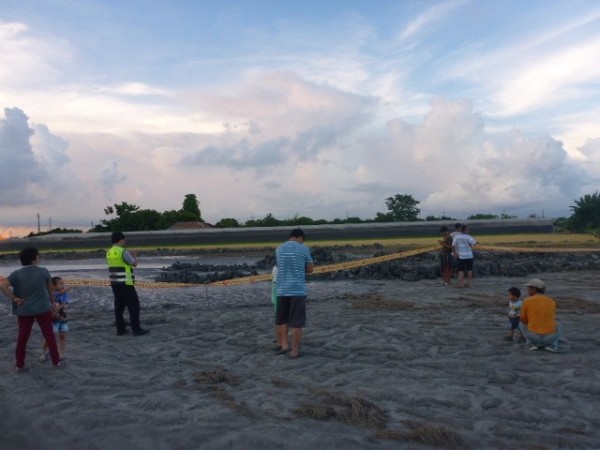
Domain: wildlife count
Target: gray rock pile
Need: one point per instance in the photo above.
(420, 267)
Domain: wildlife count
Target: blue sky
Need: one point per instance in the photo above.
(316, 108)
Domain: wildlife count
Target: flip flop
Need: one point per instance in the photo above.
(297, 356)
(282, 351)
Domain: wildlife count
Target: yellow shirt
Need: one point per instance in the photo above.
(539, 314)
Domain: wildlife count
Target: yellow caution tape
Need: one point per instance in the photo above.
(329, 267)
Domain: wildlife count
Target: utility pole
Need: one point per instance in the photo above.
(38, 218)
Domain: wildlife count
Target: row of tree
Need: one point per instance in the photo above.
(401, 208)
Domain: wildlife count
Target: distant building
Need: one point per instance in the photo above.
(190, 226)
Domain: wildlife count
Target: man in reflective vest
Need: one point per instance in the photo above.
(122, 281)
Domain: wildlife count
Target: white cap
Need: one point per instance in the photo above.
(536, 282)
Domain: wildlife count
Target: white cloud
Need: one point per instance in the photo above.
(35, 166)
(432, 15)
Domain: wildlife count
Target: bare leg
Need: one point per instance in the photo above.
(469, 278)
(296, 338)
(62, 343)
(461, 278)
(283, 336)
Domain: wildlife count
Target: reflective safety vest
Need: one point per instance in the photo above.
(119, 272)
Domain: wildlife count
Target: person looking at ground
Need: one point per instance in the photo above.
(462, 246)
(294, 262)
(31, 293)
(538, 318)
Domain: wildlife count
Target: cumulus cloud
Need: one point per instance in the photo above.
(284, 118)
(464, 168)
(35, 166)
(109, 179)
(21, 169)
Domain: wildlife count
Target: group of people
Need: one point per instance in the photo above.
(36, 296)
(534, 317)
(457, 254)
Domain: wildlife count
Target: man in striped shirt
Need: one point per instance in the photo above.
(293, 263)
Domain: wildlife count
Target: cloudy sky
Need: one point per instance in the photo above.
(320, 108)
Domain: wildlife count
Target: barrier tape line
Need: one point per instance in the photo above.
(143, 284)
(330, 267)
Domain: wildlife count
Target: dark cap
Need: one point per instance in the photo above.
(116, 236)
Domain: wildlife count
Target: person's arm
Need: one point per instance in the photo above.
(130, 257)
(5, 288)
(310, 267)
(523, 314)
(50, 287)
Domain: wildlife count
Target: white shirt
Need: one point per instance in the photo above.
(462, 244)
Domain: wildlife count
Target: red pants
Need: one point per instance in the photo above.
(25, 325)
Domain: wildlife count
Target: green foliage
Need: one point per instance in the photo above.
(228, 222)
(586, 213)
(54, 231)
(191, 206)
(480, 216)
(442, 217)
(403, 208)
(129, 217)
(381, 217)
(560, 223)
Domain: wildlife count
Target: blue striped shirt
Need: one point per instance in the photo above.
(292, 258)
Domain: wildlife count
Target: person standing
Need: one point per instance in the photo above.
(121, 263)
(514, 313)
(462, 246)
(294, 262)
(538, 318)
(446, 256)
(31, 293)
(60, 322)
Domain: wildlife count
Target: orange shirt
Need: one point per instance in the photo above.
(539, 314)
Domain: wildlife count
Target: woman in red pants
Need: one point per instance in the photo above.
(30, 290)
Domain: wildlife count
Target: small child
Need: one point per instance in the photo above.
(60, 322)
(514, 313)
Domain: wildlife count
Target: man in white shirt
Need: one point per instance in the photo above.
(462, 248)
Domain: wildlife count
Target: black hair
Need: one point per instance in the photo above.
(28, 255)
(55, 280)
(457, 226)
(443, 229)
(515, 291)
(463, 228)
(116, 236)
(296, 233)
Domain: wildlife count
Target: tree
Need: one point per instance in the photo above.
(403, 208)
(191, 206)
(586, 213)
(480, 216)
(227, 222)
(381, 217)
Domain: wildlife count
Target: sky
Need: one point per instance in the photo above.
(318, 108)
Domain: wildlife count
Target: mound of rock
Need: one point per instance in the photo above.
(419, 267)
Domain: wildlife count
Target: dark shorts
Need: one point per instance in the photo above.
(465, 265)
(291, 311)
(514, 323)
